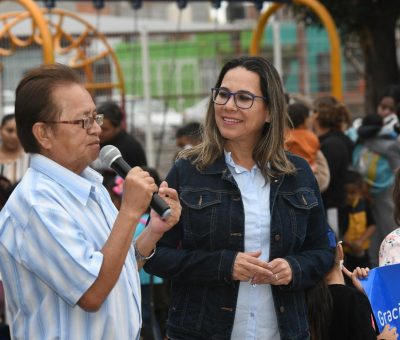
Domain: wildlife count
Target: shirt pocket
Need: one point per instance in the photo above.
(200, 212)
(299, 205)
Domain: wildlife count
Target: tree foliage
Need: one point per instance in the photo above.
(373, 24)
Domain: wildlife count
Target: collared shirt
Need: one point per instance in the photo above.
(51, 232)
(255, 316)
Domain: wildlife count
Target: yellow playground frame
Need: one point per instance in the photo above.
(327, 21)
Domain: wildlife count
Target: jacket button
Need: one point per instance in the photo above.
(277, 237)
(281, 309)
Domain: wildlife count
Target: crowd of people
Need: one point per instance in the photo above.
(278, 209)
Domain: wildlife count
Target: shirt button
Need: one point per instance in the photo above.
(281, 309)
(277, 237)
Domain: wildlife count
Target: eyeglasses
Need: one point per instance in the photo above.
(243, 99)
(86, 122)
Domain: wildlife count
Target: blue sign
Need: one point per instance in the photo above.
(383, 291)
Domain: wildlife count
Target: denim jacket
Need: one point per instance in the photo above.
(199, 252)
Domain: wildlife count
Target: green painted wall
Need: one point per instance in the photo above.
(198, 51)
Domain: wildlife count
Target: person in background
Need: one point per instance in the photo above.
(301, 141)
(13, 164)
(337, 311)
(358, 224)
(377, 157)
(13, 160)
(68, 258)
(253, 234)
(112, 133)
(188, 135)
(388, 109)
(389, 252)
(329, 119)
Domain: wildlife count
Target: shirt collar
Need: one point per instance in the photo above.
(79, 186)
(237, 168)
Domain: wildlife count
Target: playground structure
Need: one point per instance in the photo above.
(134, 68)
(326, 19)
(48, 32)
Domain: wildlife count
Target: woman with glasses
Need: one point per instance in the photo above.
(252, 236)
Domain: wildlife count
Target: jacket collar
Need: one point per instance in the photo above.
(217, 167)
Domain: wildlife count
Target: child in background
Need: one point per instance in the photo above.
(358, 223)
(301, 141)
(188, 135)
(337, 311)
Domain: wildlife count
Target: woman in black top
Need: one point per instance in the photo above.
(337, 311)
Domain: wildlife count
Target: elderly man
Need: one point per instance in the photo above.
(68, 261)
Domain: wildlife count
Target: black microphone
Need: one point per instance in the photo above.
(111, 157)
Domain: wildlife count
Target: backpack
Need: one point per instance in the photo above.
(374, 168)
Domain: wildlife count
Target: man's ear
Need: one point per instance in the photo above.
(43, 134)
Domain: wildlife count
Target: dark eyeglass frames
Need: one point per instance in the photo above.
(243, 99)
(86, 122)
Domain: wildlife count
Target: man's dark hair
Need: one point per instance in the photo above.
(298, 113)
(192, 129)
(34, 100)
(112, 112)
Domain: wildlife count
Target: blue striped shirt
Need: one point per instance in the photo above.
(51, 232)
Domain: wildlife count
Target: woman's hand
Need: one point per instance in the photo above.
(281, 273)
(248, 265)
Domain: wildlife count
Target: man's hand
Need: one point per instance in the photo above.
(138, 191)
(170, 196)
(147, 240)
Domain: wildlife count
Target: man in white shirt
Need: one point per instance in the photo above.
(69, 265)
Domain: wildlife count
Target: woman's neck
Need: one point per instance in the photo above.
(9, 155)
(242, 155)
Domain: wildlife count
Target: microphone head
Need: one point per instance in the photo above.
(108, 155)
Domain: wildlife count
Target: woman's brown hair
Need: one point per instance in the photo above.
(270, 148)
